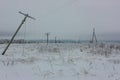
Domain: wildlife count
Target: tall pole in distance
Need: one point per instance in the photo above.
(47, 34)
(55, 39)
(94, 36)
(26, 16)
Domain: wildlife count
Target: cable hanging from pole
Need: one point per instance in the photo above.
(24, 38)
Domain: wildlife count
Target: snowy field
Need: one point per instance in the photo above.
(60, 62)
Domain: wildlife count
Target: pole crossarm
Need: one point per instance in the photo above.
(27, 15)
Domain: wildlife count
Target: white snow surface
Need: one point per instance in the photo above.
(63, 61)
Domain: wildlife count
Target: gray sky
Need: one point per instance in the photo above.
(66, 19)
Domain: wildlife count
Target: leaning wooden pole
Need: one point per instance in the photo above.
(26, 15)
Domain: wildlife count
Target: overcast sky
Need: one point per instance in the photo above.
(66, 19)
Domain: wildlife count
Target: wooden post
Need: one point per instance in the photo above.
(47, 34)
(55, 39)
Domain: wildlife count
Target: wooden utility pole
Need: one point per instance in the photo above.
(47, 34)
(26, 16)
(94, 36)
(55, 39)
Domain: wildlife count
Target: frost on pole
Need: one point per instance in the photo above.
(26, 16)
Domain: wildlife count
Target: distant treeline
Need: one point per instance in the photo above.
(3, 41)
(20, 41)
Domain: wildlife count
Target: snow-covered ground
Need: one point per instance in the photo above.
(60, 62)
